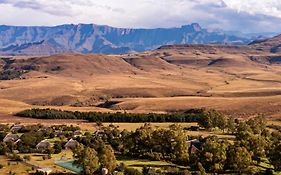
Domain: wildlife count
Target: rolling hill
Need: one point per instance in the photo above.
(238, 80)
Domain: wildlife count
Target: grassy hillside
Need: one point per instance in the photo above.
(171, 78)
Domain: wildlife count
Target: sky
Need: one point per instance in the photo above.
(249, 16)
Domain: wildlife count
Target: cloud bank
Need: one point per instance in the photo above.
(240, 15)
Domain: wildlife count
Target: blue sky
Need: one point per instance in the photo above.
(236, 15)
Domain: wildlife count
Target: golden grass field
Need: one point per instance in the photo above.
(164, 80)
(15, 167)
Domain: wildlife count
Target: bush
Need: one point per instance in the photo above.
(27, 157)
(14, 157)
(132, 171)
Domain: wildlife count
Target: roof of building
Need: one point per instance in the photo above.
(43, 144)
(11, 137)
(71, 144)
(47, 170)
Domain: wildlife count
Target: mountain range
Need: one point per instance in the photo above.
(92, 38)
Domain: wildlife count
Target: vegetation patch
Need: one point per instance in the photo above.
(193, 115)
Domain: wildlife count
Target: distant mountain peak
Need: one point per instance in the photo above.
(93, 38)
(195, 27)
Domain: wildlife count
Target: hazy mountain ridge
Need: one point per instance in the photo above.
(91, 38)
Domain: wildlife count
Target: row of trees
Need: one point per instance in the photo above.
(188, 116)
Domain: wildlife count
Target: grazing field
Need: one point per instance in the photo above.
(38, 161)
(140, 163)
(171, 78)
(13, 167)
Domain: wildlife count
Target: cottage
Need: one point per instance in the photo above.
(99, 133)
(58, 133)
(16, 128)
(11, 138)
(45, 171)
(194, 146)
(44, 144)
(71, 144)
(77, 133)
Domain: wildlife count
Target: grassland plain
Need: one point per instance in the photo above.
(172, 78)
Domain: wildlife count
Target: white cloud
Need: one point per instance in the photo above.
(246, 15)
(265, 7)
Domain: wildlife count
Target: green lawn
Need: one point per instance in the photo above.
(140, 163)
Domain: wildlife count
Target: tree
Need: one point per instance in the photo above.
(170, 144)
(231, 125)
(211, 119)
(275, 157)
(241, 128)
(107, 158)
(27, 157)
(140, 141)
(201, 169)
(238, 158)
(87, 159)
(178, 145)
(254, 143)
(57, 148)
(257, 124)
(131, 171)
(3, 148)
(213, 154)
(29, 141)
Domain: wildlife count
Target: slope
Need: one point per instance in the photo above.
(208, 75)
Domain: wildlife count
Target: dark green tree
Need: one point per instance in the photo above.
(211, 119)
(275, 156)
(87, 159)
(107, 158)
(238, 159)
(213, 154)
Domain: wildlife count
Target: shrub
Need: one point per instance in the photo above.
(27, 157)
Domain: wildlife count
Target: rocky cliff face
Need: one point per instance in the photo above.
(91, 38)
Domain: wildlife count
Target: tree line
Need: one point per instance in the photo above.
(193, 115)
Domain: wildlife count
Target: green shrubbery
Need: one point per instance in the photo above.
(188, 116)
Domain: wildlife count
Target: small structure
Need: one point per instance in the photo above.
(46, 129)
(99, 133)
(194, 128)
(45, 171)
(149, 171)
(194, 146)
(104, 171)
(71, 144)
(58, 133)
(77, 133)
(16, 128)
(11, 138)
(44, 144)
